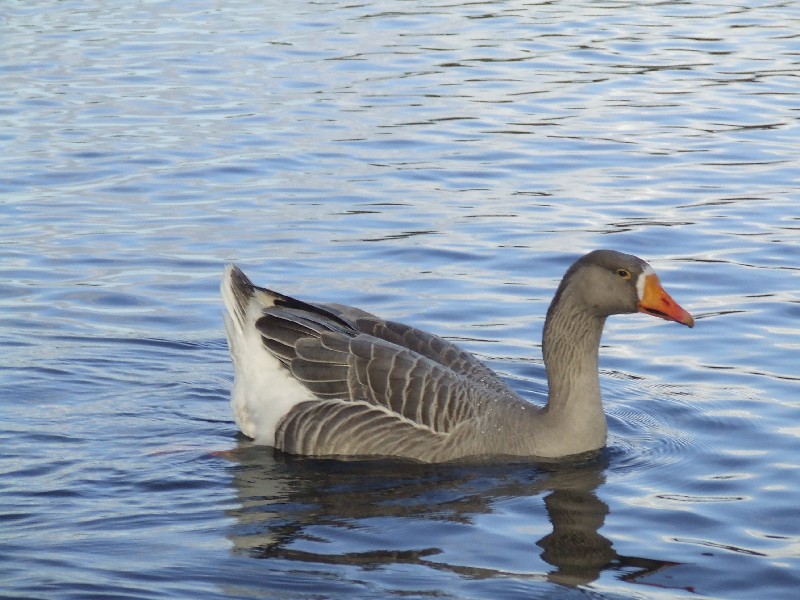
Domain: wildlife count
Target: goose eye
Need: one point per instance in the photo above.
(624, 273)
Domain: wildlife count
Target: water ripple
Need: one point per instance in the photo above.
(433, 163)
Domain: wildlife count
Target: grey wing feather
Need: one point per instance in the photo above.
(415, 375)
(433, 347)
(353, 429)
(427, 344)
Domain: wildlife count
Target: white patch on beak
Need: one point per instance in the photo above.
(641, 281)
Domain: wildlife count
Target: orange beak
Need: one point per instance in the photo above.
(657, 302)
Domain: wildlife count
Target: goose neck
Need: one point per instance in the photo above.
(570, 348)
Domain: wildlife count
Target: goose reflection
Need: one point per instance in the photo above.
(288, 508)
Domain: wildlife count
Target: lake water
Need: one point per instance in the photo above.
(438, 163)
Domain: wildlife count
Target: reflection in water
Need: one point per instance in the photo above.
(575, 547)
(290, 508)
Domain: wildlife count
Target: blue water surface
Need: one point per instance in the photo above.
(437, 163)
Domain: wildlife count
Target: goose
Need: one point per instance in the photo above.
(330, 380)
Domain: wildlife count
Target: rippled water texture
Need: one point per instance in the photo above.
(437, 163)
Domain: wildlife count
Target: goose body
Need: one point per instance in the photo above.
(333, 380)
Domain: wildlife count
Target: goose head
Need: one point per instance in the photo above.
(606, 282)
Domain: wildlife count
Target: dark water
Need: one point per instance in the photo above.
(436, 163)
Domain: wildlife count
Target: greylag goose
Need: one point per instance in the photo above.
(333, 380)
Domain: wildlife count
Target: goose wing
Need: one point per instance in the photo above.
(458, 361)
(379, 384)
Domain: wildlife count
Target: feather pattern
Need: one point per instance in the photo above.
(357, 363)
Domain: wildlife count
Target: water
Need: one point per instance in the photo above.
(436, 163)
